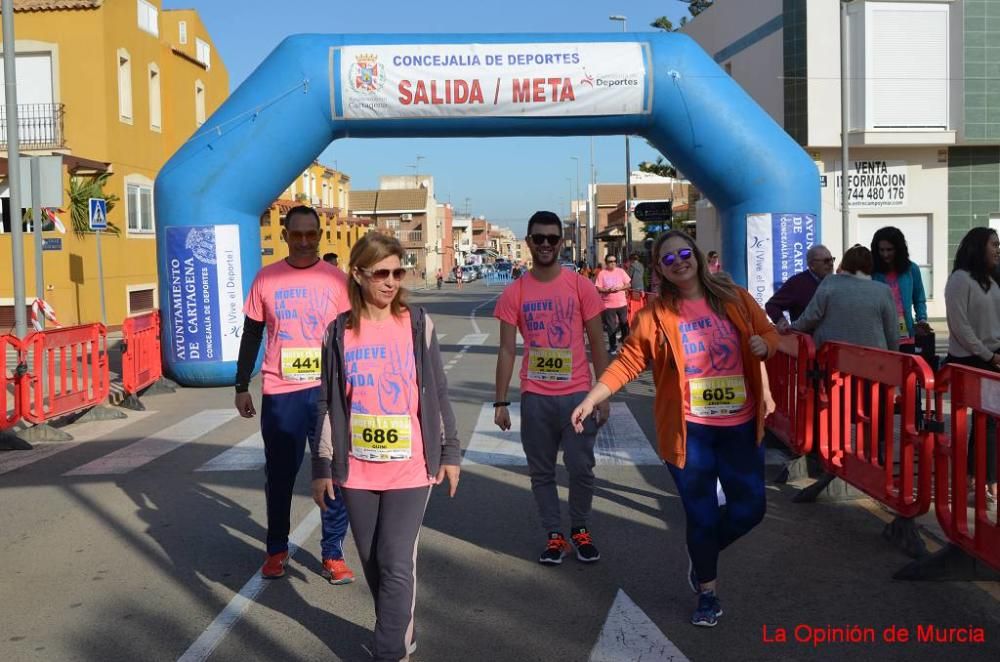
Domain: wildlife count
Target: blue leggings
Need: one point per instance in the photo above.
(286, 421)
(731, 455)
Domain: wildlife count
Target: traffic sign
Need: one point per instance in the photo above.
(98, 214)
(654, 212)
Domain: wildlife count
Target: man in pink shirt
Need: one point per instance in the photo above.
(295, 300)
(554, 309)
(612, 282)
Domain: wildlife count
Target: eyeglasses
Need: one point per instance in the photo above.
(683, 254)
(308, 235)
(825, 260)
(379, 275)
(540, 239)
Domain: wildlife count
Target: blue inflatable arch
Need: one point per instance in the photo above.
(314, 89)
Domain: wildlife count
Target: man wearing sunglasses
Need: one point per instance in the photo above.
(796, 292)
(554, 309)
(294, 300)
(612, 282)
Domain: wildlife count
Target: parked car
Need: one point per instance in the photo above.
(468, 273)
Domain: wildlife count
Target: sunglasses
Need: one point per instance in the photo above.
(309, 235)
(540, 239)
(683, 254)
(379, 275)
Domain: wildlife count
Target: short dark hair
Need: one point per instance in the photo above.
(544, 218)
(303, 209)
(901, 260)
(857, 259)
(712, 254)
(330, 257)
(610, 256)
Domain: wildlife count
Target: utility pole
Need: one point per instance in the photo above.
(576, 200)
(592, 205)
(14, 169)
(845, 194)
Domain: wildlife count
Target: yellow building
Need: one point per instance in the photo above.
(115, 86)
(327, 191)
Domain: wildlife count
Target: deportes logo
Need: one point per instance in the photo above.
(587, 78)
(367, 75)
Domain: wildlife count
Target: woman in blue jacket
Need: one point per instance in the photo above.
(894, 268)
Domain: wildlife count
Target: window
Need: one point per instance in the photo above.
(203, 52)
(899, 53)
(199, 103)
(148, 17)
(124, 86)
(155, 114)
(139, 208)
(182, 32)
(141, 298)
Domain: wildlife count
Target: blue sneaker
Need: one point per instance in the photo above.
(708, 611)
(692, 577)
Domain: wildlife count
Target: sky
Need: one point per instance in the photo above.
(504, 179)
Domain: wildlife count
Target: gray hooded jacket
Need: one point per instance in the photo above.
(331, 443)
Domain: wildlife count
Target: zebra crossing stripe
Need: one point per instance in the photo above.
(620, 441)
(146, 450)
(16, 459)
(248, 455)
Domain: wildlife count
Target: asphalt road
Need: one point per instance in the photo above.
(141, 541)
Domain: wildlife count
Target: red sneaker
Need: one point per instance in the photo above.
(337, 572)
(274, 565)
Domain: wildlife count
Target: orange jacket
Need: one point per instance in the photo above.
(655, 337)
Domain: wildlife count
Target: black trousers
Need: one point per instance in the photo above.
(991, 423)
(615, 319)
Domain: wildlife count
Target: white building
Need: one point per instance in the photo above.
(924, 118)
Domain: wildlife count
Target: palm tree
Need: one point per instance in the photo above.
(81, 189)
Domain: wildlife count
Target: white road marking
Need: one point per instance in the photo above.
(146, 450)
(213, 635)
(629, 635)
(473, 339)
(619, 442)
(472, 315)
(248, 455)
(16, 459)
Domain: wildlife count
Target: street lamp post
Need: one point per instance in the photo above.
(576, 247)
(845, 194)
(628, 164)
(576, 215)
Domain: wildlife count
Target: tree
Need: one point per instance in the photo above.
(664, 23)
(661, 167)
(81, 189)
(698, 6)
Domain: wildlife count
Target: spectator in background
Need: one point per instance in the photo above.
(714, 263)
(796, 293)
(637, 272)
(894, 268)
(611, 283)
(331, 258)
(850, 307)
(972, 300)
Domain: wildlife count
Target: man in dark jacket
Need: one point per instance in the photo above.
(796, 292)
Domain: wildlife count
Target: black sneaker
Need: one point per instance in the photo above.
(555, 550)
(708, 611)
(585, 549)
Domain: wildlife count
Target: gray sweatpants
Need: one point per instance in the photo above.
(386, 527)
(545, 427)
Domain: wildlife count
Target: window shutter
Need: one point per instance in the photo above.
(908, 65)
(140, 301)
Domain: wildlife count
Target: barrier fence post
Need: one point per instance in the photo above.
(141, 360)
(10, 393)
(791, 373)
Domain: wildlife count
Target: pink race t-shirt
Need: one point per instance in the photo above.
(892, 280)
(715, 389)
(614, 278)
(551, 317)
(296, 305)
(387, 449)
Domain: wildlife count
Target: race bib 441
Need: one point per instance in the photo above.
(300, 364)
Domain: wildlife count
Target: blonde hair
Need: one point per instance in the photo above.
(372, 249)
(718, 289)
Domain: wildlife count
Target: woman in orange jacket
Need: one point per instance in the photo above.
(705, 337)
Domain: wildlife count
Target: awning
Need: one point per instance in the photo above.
(614, 233)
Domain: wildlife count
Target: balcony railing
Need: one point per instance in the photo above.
(410, 236)
(40, 126)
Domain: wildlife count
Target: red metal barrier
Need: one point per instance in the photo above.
(636, 302)
(792, 389)
(67, 371)
(858, 418)
(10, 392)
(979, 391)
(141, 364)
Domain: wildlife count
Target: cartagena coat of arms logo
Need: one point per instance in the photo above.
(367, 75)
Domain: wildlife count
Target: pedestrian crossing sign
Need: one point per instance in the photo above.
(98, 214)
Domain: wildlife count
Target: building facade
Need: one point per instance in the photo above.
(114, 88)
(923, 111)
